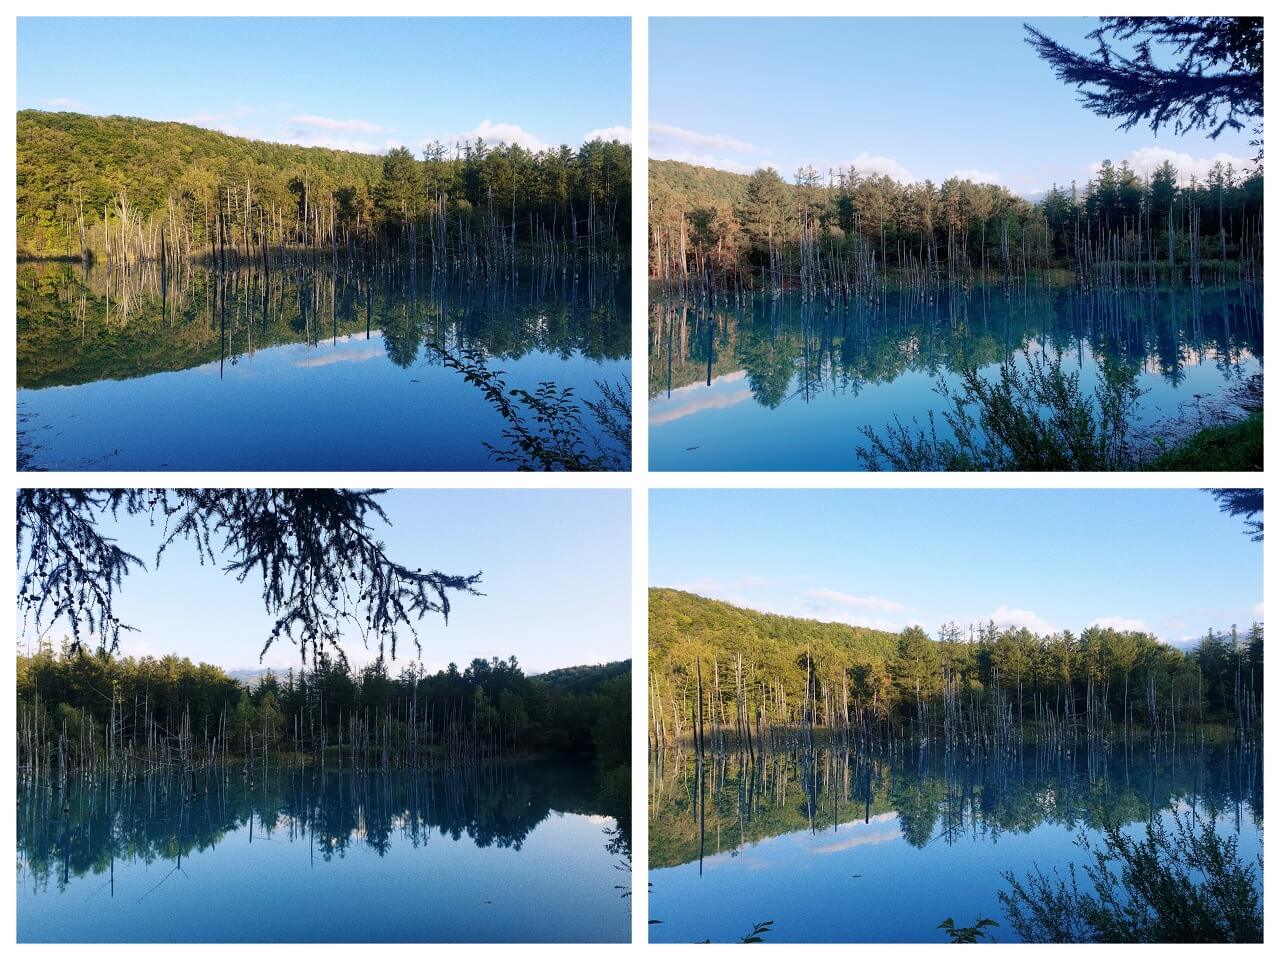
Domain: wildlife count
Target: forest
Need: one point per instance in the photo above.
(86, 711)
(126, 190)
(722, 677)
(841, 232)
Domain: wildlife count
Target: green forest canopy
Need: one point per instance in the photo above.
(580, 709)
(888, 674)
(69, 163)
(732, 218)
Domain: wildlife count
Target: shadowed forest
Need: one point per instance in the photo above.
(159, 713)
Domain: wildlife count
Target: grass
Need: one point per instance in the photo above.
(1230, 446)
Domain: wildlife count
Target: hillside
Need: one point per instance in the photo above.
(148, 158)
(138, 177)
(584, 677)
(684, 626)
(692, 187)
(1098, 676)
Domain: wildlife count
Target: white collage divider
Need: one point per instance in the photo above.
(638, 482)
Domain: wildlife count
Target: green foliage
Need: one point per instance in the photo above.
(545, 429)
(1035, 417)
(1188, 885)
(1116, 225)
(1231, 446)
(590, 714)
(1121, 677)
(968, 934)
(198, 183)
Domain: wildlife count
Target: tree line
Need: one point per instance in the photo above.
(724, 676)
(845, 231)
(123, 189)
(85, 710)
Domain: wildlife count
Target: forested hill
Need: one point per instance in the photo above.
(684, 626)
(75, 170)
(584, 678)
(673, 183)
(58, 152)
(1100, 675)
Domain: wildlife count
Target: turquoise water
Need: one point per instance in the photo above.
(523, 853)
(783, 385)
(303, 368)
(883, 849)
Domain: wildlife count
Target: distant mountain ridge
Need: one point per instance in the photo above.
(572, 678)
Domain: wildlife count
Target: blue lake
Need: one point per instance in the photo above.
(517, 853)
(777, 384)
(305, 368)
(882, 849)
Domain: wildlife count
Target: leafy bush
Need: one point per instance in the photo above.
(1188, 885)
(1034, 417)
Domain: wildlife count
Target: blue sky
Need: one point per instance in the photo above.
(1166, 561)
(915, 98)
(557, 579)
(361, 84)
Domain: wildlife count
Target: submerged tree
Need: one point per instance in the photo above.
(1215, 83)
(323, 571)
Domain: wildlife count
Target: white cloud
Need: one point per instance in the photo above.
(308, 121)
(703, 160)
(880, 604)
(866, 162)
(224, 123)
(1257, 610)
(975, 176)
(1145, 161)
(1121, 623)
(665, 133)
(65, 103)
(502, 133)
(337, 143)
(1005, 616)
(620, 132)
(667, 142)
(706, 586)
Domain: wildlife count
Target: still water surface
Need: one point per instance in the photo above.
(304, 368)
(782, 385)
(517, 853)
(850, 849)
